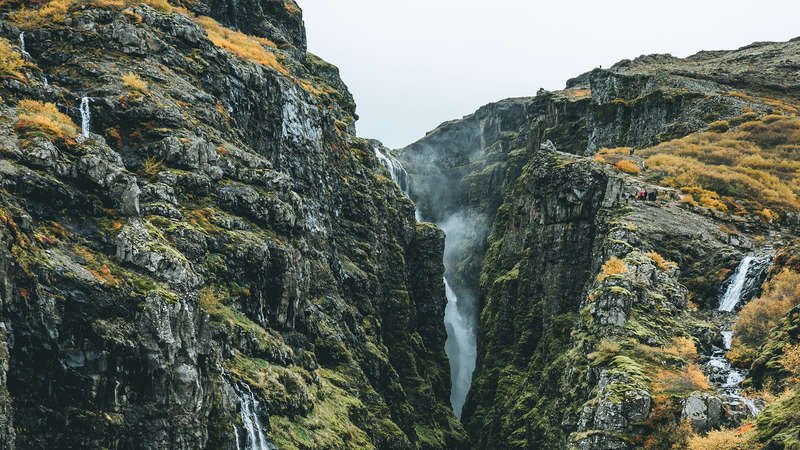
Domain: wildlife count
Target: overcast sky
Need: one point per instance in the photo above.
(412, 64)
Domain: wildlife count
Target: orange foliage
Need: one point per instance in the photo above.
(627, 166)
(691, 378)
(37, 118)
(684, 348)
(613, 266)
(242, 45)
(11, 62)
(662, 263)
(759, 316)
(725, 439)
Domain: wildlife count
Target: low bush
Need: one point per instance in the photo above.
(35, 118)
(613, 266)
(725, 439)
(627, 166)
(761, 315)
(11, 62)
(134, 83)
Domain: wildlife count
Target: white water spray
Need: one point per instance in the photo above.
(22, 44)
(395, 169)
(733, 294)
(722, 375)
(86, 117)
(460, 349)
(254, 436)
(461, 343)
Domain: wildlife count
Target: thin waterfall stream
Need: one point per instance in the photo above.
(461, 343)
(722, 375)
(86, 117)
(253, 436)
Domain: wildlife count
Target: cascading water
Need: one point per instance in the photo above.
(22, 44)
(395, 169)
(461, 343)
(460, 349)
(254, 437)
(733, 294)
(86, 117)
(741, 286)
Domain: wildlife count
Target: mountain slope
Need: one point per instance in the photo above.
(217, 229)
(593, 307)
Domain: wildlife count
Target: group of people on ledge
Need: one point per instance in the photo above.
(642, 196)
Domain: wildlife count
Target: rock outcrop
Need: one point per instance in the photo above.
(593, 306)
(221, 230)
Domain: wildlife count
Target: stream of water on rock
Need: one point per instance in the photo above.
(461, 343)
(254, 437)
(86, 117)
(721, 374)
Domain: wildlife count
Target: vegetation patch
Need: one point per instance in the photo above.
(135, 84)
(758, 317)
(11, 62)
(248, 47)
(614, 266)
(35, 118)
(747, 169)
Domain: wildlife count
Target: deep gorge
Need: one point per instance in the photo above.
(197, 250)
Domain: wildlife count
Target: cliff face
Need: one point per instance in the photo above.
(218, 230)
(586, 297)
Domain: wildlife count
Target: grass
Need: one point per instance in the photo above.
(724, 439)
(758, 317)
(11, 62)
(52, 12)
(330, 423)
(35, 118)
(134, 83)
(55, 11)
(248, 47)
(627, 166)
(614, 266)
(662, 263)
(747, 170)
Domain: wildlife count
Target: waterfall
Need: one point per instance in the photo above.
(22, 44)
(461, 343)
(254, 436)
(395, 169)
(741, 286)
(733, 294)
(460, 349)
(86, 117)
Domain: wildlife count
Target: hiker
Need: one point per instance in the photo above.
(652, 196)
(643, 195)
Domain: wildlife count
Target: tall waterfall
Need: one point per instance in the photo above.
(460, 349)
(461, 343)
(254, 437)
(733, 294)
(86, 117)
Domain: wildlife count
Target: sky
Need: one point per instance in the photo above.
(413, 64)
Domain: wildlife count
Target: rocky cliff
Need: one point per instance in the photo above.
(197, 251)
(597, 313)
(213, 259)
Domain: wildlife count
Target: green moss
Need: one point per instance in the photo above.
(778, 426)
(213, 301)
(328, 425)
